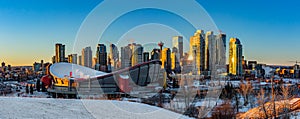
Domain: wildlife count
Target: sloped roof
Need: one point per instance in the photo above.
(61, 70)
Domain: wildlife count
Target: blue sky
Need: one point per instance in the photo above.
(267, 29)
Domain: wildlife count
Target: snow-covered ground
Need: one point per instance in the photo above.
(26, 108)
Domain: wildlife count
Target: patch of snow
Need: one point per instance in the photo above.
(80, 109)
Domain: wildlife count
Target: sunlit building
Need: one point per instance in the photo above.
(94, 63)
(175, 60)
(235, 57)
(177, 42)
(59, 53)
(87, 57)
(79, 60)
(137, 54)
(108, 69)
(131, 55)
(197, 50)
(72, 58)
(210, 53)
(53, 59)
(166, 59)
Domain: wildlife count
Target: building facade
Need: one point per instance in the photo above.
(59, 53)
(101, 55)
(155, 54)
(87, 57)
(235, 57)
(126, 53)
(221, 49)
(197, 50)
(175, 60)
(208, 41)
(80, 60)
(166, 59)
(72, 58)
(137, 54)
(177, 42)
(146, 56)
(114, 55)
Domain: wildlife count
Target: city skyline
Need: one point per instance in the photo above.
(261, 30)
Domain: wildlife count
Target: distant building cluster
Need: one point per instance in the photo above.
(21, 73)
(207, 52)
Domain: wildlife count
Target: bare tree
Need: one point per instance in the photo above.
(273, 97)
(245, 90)
(261, 97)
(223, 111)
(286, 92)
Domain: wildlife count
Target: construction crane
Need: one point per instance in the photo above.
(295, 61)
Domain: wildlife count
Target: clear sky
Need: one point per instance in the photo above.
(29, 29)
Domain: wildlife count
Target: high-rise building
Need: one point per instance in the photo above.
(166, 59)
(101, 54)
(126, 53)
(114, 55)
(53, 59)
(155, 54)
(221, 49)
(80, 60)
(146, 56)
(235, 57)
(94, 64)
(197, 50)
(109, 65)
(59, 53)
(215, 53)
(131, 55)
(137, 54)
(69, 58)
(72, 58)
(87, 57)
(175, 60)
(178, 43)
(209, 47)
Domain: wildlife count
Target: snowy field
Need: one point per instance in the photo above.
(48, 108)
